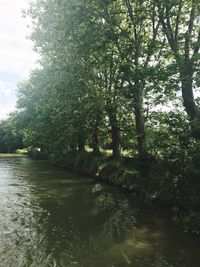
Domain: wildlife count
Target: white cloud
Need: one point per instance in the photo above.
(5, 88)
(6, 109)
(16, 51)
(7, 98)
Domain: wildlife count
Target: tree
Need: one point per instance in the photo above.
(10, 135)
(180, 23)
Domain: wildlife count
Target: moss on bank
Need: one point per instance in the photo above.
(100, 167)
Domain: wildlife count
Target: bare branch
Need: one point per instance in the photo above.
(167, 28)
(130, 10)
(178, 21)
(152, 44)
(189, 31)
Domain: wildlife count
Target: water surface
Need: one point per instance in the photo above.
(53, 218)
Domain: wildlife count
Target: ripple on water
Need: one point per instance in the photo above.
(49, 217)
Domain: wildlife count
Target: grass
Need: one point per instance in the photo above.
(108, 152)
(10, 155)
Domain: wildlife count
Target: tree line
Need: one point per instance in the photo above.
(113, 74)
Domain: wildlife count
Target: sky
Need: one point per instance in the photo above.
(17, 57)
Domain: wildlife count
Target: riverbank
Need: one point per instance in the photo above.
(3, 155)
(153, 181)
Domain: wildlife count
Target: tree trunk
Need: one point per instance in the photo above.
(139, 120)
(81, 144)
(186, 75)
(187, 91)
(140, 130)
(115, 133)
(95, 141)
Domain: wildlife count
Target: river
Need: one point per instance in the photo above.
(54, 218)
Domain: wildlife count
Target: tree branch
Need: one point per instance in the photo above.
(177, 21)
(189, 31)
(197, 47)
(167, 29)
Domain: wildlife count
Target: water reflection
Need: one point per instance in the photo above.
(49, 217)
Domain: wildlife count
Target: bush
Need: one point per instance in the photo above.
(38, 155)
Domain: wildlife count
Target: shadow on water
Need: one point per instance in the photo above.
(50, 217)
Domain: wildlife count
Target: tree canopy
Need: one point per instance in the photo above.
(113, 74)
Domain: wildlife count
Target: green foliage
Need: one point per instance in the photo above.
(37, 154)
(190, 222)
(10, 136)
(168, 133)
(115, 75)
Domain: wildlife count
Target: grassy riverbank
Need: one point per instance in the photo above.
(154, 181)
(10, 155)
